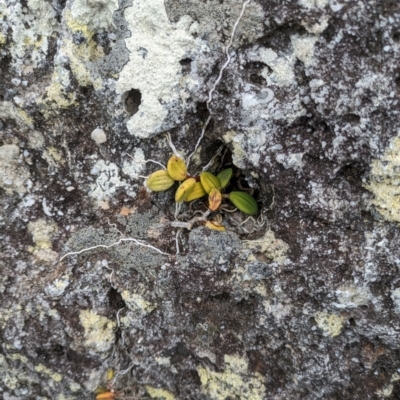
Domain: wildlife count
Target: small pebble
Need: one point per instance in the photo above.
(99, 136)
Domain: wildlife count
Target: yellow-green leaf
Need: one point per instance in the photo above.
(224, 177)
(177, 168)
(244, 202)
(197, 192)
(209, 181)
(159, 181)
(184, 189)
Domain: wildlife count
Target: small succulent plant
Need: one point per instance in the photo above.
(195, 187)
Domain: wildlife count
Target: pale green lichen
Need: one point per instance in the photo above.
(273, 248)
(10, 111)
(10, 377)
(385, 182)
(57, 94)
(156, 393)
(98, 331)
(235, 381)
(136, 302)
(42, 231)
(331, 324)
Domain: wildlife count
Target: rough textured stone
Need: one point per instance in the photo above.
(300, 302)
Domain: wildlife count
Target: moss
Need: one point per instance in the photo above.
(385, 182)
(234, 382)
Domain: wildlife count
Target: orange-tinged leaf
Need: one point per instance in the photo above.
(105, 396)
(215, 226)
(214, 199)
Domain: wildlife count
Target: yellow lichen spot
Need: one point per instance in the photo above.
(55, 153)
(385, 392)
(385, 182)
(156, 393)
(98, 331)
(9, 111)
(42, 369)
(235, 381)
(3, 39)
(18, 357)
(79, 55)
(42, 231)
(331, 324)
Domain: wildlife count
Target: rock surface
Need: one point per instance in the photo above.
(301, 302)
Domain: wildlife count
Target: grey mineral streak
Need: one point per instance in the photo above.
(99, 292)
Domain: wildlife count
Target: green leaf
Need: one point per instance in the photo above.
(244, 202)
(224, 177)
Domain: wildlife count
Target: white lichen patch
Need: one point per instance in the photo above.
(273, 248)
(282, 66)
(385, 182)
(98, 331)
(32, 27)
(108, 182)
(57, 288)
(331, 324)
(135, 165)
(82, 12)
(157, 393)
(328, 201)
(156, 47)
(304, 48)
(351, 296)
(395, 295)
(314, 3)
(279, 310)
(234, 382)
(14, 175)
(238, 154)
